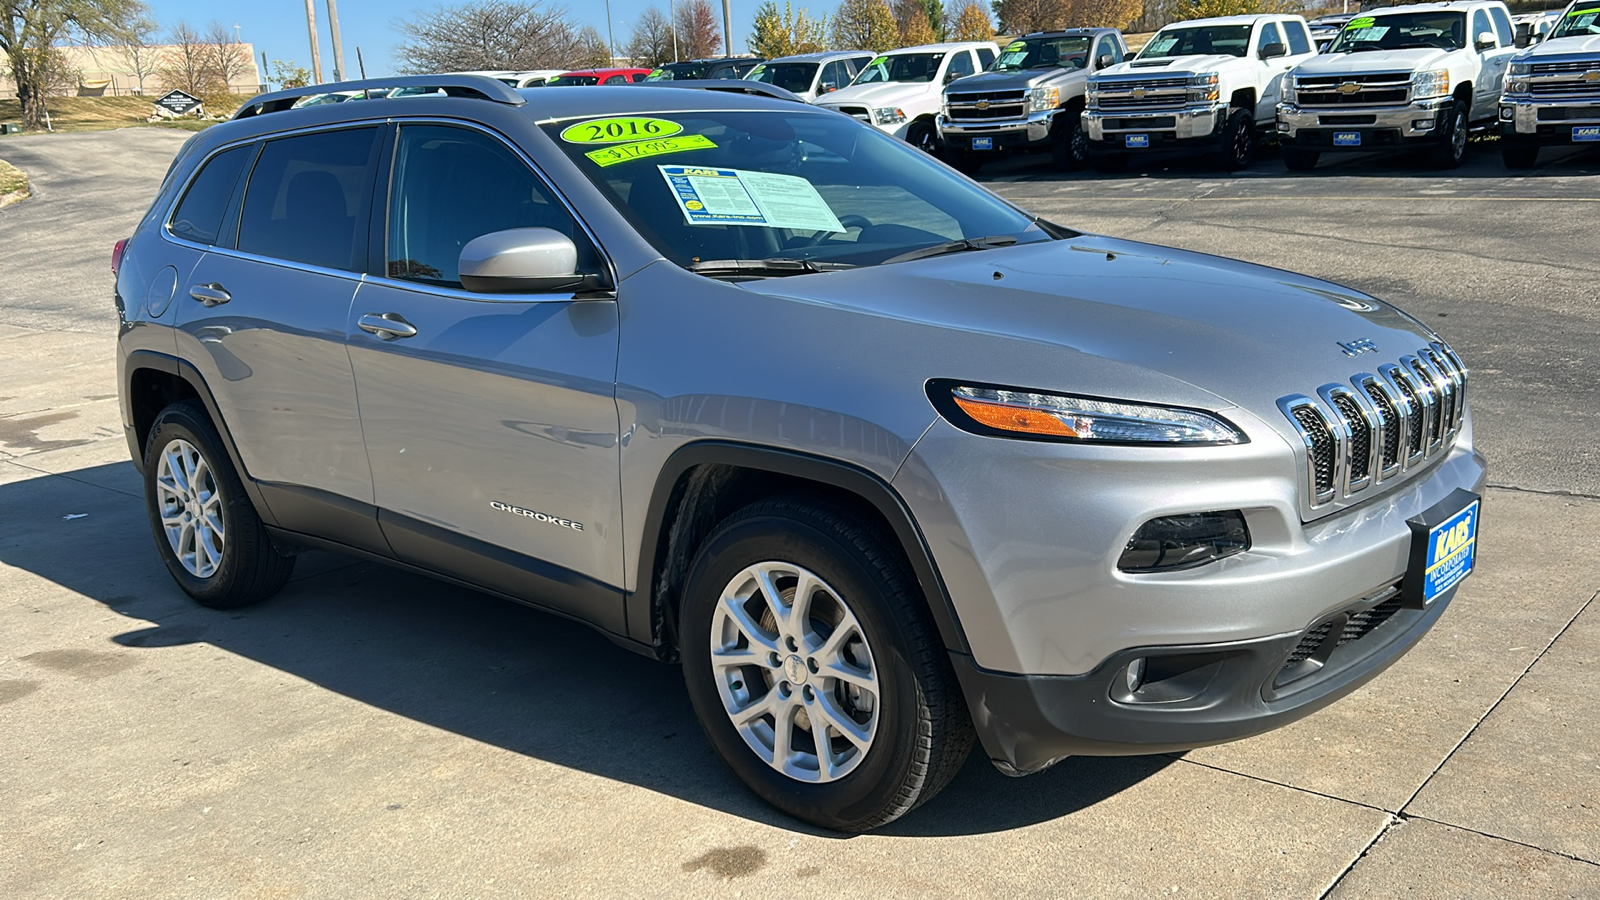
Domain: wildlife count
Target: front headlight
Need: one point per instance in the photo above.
(1203, 87)
(1043, 98)
(888, 115)
(944, 107)
(1007, 412)
(1091, 94)
(1432, 83)
(1520, 70)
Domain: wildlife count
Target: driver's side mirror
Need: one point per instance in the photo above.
(951, 76)
(523, 260)
(827, 87)
(1524, 35)
(1484, 41)
(1103, 61)
(1273, 50)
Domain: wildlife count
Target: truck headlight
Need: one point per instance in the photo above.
(1008, 412)
(1203, 87)
(1043, 98)
(1432, 83)
(1520, 70)
(1091, 94)
(944, 107)
(888, 115)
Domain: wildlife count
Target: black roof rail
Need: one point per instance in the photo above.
(729, 85)
(480, 87)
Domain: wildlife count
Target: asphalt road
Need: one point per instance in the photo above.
(367, 733)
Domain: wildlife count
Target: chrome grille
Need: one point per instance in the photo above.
(1562, 67)
(1384, 88)
(1378, 427)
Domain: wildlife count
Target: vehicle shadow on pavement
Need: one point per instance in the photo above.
(471, 664)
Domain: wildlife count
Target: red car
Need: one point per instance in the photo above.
(598, 76)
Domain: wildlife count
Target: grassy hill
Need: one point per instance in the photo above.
(97, 114)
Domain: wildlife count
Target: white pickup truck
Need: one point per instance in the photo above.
(898, 92)
(1405, 77)
(1552, 95)
(1204, 85)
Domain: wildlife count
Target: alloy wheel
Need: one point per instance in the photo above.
(190, 507)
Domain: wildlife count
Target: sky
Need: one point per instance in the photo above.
(278, 27)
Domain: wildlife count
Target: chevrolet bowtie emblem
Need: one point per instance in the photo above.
(1349, 87)
(1138, 93)
(1591, 77)
(982, 104)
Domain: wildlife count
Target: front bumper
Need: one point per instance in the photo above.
(1006, 134)
(1546, 122)
(1388, 127)
(1166, 129)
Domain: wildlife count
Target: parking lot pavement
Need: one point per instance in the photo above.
(370, 733)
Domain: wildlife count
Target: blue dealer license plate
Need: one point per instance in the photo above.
(1444, 546)
(1582, 133)
(1136, 140)
(983, 143)
(1347, 138)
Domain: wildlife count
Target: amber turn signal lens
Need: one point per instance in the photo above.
(1014, 418)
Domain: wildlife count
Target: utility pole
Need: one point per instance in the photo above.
(672, 20)
(359, 64)
(316, 55)
(266, 73)
(338, 46)
(611, 39)
(727, 32)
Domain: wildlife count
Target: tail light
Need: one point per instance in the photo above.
(116, 255)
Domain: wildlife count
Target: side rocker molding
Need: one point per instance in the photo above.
(647, 605)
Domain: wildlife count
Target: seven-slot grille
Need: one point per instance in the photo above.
(1378, 427)
(988, 105)
(1385, 88)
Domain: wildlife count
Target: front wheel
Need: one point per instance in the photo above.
(1518, 157)
(815, 669)
(924, 137)
(1238, 141)
(206, 528)
(1069, 151)
(1453, 145)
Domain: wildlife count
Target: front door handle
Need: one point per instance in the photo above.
(210, 294)
(389, 326)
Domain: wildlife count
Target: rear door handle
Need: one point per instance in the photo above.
(210, 294)
(389, 326)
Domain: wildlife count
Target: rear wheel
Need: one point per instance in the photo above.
(1297, 160)
(815, 669)
(1452, 147)
(1518, 157)
(206, 528)
(1238, 141)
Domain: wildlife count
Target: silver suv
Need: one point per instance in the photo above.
(884, 461)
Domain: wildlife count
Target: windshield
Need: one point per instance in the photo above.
(1230, 40)
(919, 67)
(675, 71)
(815, 190)
(1582, 19)
(1044, 53)
(1403, 31)
(565, 80)
(794, 77)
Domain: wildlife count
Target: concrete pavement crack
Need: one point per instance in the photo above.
(1525, 490)
(1384, 832)
(1496, 837)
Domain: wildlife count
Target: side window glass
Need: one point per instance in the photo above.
(1109, 46)
(1480, 23)
(451, 185)
(960, 65)
(856, 64)
(1299, 40)
(306, 198)
(1502, 26)
(1270, 34)
(985, 57)
(199, 214)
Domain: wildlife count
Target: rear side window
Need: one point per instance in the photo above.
(451, 185)
(306, 200)
(985, 57)
(199, 214)
(1299, 41)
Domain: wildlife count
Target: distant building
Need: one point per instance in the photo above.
(115, 71)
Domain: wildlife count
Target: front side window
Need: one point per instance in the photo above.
(199, 214)
(1270, 34)
(960, 66)
(1503, 26)
(450, 185)
(1044, 53)
(810, 190)
(306, 198)
(1299, 41)
(1205, 40)
(909, 67)
(1443, 30)
(1480, 24)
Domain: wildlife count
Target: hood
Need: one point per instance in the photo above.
(1171, 65)
(1577, 44)
(1373, 61)
(1013, 81)
(887, 93)
(1095, 308)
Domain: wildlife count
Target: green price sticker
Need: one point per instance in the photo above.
(879, 61)
(1013, 47)
(1366, 22)
(619, 129)
(610, 156)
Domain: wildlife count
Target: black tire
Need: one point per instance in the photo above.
(963, 162)
(1238, 148)
(1452, 147)
(923, 136)
(1517, 156)
(1108, 163)
(1296, 160)
(924, 731)
(1069, 147)
(250, 568)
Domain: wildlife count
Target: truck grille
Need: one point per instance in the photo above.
(1344, 628)
(987, 105)
(1379, 427)
(1142, 93)
(1565, 87)
(1566, 67)
(1379, 89)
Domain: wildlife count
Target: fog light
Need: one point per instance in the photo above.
(1182, 542)
(1505, 113)
(1135, 675)
(1422, 125)
(1283, 127)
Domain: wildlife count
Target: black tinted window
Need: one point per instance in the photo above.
(199, 214)
(985, 57)
(305, 199)
(960, 65)
(1299, 42)
(451, 185)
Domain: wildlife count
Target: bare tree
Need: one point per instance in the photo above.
(971, 23)
(184, 64)
(140, 50)
(698, 34)
(31, 29)
(650, 44)
(225, 57)
(487, 34)
(592, 52)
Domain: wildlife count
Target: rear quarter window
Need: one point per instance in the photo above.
(199, 214)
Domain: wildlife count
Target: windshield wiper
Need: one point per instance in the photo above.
(775, 266)
(978, 243)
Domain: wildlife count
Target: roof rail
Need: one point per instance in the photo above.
(729, 85)
(476, 86)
